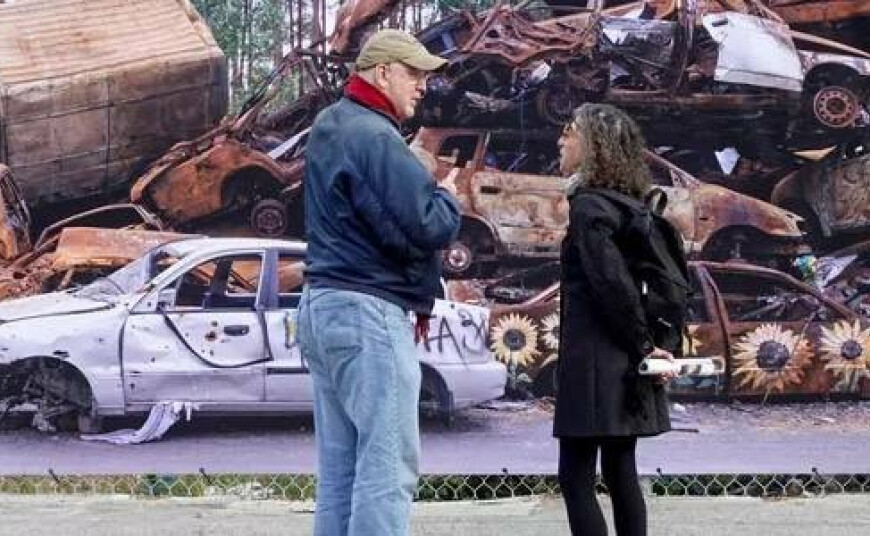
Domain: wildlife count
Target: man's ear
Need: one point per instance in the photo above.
(380, 76)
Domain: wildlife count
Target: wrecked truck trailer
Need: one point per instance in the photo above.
(780, 339)
(251, 164)
(91, 91)
(514, 208)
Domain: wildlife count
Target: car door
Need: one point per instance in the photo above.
(739, 37)
(778, 330)
(288, 381)
(527, 207)
(704, 337)
(200, 337)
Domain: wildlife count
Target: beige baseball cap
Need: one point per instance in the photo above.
(388, 46)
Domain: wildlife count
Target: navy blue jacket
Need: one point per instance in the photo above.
(374, 218)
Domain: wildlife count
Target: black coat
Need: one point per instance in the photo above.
(603, 333)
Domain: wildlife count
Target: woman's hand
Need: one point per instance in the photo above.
(661, 353)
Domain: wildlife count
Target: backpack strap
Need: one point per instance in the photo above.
(656, 199)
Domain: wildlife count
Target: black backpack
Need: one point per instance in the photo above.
(653, 249)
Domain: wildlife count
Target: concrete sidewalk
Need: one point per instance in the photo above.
(834, 515)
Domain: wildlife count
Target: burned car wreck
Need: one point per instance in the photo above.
(513, 210)
(667, 73)
(780, 338)
(205, 321)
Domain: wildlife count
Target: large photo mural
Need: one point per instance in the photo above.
(756, 119)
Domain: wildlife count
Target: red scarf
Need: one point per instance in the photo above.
(361, 92)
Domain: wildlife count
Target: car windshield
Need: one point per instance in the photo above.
(133, 277)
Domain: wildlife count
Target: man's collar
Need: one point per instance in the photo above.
(365, 94)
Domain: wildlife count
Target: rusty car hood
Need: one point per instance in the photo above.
(44, 305)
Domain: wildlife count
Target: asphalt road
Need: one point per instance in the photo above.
(835, 515)
(833, 438)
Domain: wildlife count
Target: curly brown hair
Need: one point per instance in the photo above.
(612, 147)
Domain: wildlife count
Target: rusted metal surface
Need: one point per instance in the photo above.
(778, 337)
(14, 218)
(834, 190)
(354, 20)
(75, 256)
(236, 165)
(84, 108)
(516, 40)
(514, 216)
(807, 11)
(89, 247)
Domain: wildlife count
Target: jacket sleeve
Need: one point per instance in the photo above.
(612, 288)
(399, 200)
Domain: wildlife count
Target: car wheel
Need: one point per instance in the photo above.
(269, 218)
(836, 107)
(435, 398)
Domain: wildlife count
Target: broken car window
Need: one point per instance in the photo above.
(224, 283)
(762, 298)
(458, 150)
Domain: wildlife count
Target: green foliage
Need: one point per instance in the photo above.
(252, 34)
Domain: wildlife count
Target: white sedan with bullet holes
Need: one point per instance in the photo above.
(211, 323)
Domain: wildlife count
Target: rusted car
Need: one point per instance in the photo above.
(513, 210)
(97, 239)
(251, 164)
(672, 75)
(77, 256)
(780, 338)
(209, 321)
(14, 218)
(832, 195)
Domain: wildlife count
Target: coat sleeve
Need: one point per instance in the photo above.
(610, 285)
(399, 200)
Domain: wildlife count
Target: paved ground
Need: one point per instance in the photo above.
(835, 515)
(833, 437)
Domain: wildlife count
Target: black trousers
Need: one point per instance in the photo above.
(577, 457)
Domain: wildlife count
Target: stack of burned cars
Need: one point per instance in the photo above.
(757, 131)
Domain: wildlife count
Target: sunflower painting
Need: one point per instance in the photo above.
(515, 340)
(770, 357)
(691, 342)
(845, 349)
(550, 337)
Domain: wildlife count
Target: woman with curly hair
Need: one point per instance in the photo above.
(601, 403)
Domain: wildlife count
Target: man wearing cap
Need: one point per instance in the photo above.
(375, 222)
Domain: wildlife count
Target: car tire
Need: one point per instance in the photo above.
(434, 390)
(269, 218)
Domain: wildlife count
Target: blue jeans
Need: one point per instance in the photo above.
(366, 374)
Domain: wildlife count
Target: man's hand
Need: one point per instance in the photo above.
(421, 328)
(660, 353)
(449, 182)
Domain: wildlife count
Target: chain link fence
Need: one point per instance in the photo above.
(430, 488)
